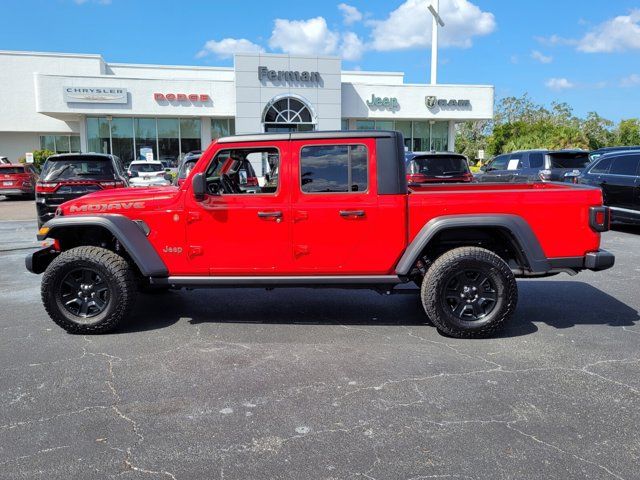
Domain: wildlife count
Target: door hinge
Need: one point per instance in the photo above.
(193, 217)
(300, 215)
(194, 251)
(299, 250)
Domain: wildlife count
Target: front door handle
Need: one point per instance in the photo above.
(352, 213)
(270, 214)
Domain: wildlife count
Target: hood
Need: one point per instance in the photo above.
(121, 200)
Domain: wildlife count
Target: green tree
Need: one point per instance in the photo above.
(598, 131)
(628, 132)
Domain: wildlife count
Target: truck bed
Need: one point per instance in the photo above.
(557, 212)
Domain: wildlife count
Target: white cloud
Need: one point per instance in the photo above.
(555, 40)
(226, 47)
(615, 35)
(558, 84)
(632, 80)
(351, 47)
(304, 37)
(314, 37)
(409, 25)
(541, 57)
(350, 14)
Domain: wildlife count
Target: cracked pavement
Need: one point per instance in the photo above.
(327, 384)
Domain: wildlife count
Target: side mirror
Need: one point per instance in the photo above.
(132, 174)
(483, 168)
(199, 186)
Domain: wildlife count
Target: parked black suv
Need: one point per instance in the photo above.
(618, 174)
(535, 166)
(71, 175)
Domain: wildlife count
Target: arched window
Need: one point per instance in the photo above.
(288, 112)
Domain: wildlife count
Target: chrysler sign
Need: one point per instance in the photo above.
(95, 95)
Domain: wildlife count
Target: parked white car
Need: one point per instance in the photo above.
(4, 160)
(143, 173)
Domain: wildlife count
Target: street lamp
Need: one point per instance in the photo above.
(437, 21)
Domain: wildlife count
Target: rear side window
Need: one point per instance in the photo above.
(334, 168)
(77, 168)
(627, 165)
(515, 162)
(536, 160)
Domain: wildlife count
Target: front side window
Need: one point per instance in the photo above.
(499, 163)
(334, 168)
(602, 167)
(234, 171)
(627, 165)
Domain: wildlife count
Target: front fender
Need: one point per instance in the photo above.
(125, 230)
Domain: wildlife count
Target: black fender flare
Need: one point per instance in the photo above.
(517, 226)
(126, 231)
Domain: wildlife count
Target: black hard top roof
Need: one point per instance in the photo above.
(316, 135)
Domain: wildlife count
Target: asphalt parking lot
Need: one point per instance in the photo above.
(302, 384)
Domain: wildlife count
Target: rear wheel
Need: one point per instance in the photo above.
(469, 292)
(88, 290)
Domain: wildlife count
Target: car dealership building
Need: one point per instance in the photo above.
(77, 102)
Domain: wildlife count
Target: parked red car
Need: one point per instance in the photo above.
(437, 167)
(17, 180)
(333, 211)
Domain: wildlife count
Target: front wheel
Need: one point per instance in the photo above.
(88, 290)
(469, 292)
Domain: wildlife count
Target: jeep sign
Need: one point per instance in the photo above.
(387, 103)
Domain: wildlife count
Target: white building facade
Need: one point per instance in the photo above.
(73, 102)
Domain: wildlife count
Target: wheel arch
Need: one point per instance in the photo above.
(513, 228)
(129, 235)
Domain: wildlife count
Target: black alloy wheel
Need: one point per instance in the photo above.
(470, 294)
(84, 293)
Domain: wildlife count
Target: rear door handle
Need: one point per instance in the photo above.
(352, 213)
(270, 214)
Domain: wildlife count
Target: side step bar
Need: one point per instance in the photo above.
(361, 281)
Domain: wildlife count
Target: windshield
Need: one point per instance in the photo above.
(569, 160)
(10, 170)
(146, 167)
(77, 168)
(438, 166)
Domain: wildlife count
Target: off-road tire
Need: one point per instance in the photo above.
(114, 271)
(435, 291)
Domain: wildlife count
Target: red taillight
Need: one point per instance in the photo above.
(467, 177)
(44, 187)
(252, 181)
(599, 219)
(107, 185)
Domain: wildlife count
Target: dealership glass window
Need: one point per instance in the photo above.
(404, 127)
(439, 136)
(60, 143)
(222, 127)
(189, 135)
(146, 137)
(365, 125)
(168, 139)
(344, 124)
(384, 125)
(122, 138)
(333, 168)
(98, 135)
(420, 136)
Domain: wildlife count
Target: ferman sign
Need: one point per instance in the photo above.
(95, 95)
(291, 76)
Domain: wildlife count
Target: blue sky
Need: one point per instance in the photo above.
(583, 52)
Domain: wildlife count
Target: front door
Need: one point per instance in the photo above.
(241, 228)
(619, 184)
(334, 207)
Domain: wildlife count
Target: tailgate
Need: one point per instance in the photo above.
(557, 213)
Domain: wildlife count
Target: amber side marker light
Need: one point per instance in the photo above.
(43, 230)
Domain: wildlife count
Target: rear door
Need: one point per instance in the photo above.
(334, 207)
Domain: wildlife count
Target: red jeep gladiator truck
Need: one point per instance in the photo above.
(331, 209)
